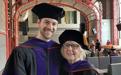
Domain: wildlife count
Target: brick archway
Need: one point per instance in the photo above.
(28, 5)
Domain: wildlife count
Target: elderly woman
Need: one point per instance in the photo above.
(74, 50)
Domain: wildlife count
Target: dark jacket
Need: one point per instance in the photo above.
(34, 57)
(98, 46)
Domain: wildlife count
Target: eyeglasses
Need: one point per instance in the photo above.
(74, 46)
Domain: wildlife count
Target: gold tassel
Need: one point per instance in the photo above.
(85, 40)
(65, 16)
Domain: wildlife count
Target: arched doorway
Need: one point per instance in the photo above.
(84, 7)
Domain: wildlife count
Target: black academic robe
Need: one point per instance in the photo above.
(81, 67)
(34, 57)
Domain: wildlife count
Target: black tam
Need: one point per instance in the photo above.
(112, 49)
(74, 35)
(45, 10)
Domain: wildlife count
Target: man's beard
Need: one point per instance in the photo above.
(45, 36)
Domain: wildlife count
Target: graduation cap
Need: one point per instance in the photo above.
(112, 49)
(74, 35)
(45, 10)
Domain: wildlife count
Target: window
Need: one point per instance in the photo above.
(99, 6)
(119, 11)
(71, 17)
(119, 17)
(34, 18)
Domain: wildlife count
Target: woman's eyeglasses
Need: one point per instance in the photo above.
(74, 46)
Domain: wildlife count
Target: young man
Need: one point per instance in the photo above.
(40, 55)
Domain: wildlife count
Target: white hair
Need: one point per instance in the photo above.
(83, 53)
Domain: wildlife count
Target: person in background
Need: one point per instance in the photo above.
(119, 52)
(92, 48)
(74, 49)
(113, 52)
(39, 55)
(98, 47)
(108, 43)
